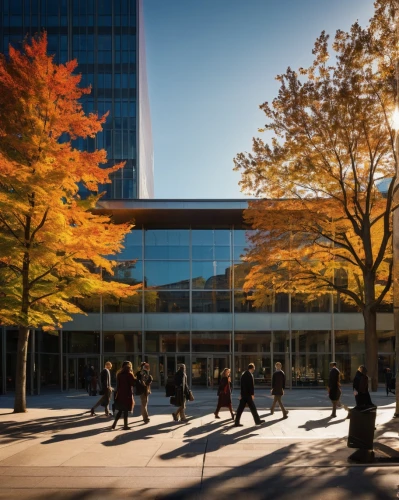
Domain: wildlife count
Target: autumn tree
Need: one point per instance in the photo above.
(51, 243)
(324, 224)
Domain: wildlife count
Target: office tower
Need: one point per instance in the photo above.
(107, 39)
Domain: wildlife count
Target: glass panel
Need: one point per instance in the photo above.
(128, 272)
(241, 243)
(281, 342)
(311, 370)
(252, 341)
(386, 341)
(262, 373)
(183, 341)
(311, 341)
(243, 303)
(122, 342)
(300, 303)
(211, 244)
(343, 304)
(199, 372)
(167, 301)
(210, 342)
(131, 304)
(160, 342)
(167, 244)
(50, 371)
(211, 275)
(350, 342)
(211, 302)
(133, 246)
(168, 275)
(48, 342)
(81, 342)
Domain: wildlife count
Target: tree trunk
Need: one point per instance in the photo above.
(371, 343)
(20, 376)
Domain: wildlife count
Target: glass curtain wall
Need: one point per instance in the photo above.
(101, 35)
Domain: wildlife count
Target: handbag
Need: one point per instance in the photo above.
(172, 400)
(190, 396)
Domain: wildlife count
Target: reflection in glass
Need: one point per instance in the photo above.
(252, 341)
(211, 275)
(122, 342)
(133, 246)
(167, 275)
(128, 272)
(301, 303)
(131, 304)
(311, 341)
(165, 301)
(167, 244)
(311, 370)
(211, 342)
(211, 244)
(83, 342)
(209, 302)
(263, 370)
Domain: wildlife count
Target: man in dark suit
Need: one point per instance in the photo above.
(247, 396)
(278, 387)
(106, 389)
(334, 389)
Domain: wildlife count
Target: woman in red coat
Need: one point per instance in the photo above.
(124, 402)
(224, 393)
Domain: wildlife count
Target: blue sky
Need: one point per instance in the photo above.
(210, 64)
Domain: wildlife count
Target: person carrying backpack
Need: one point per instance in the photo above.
(143, 389)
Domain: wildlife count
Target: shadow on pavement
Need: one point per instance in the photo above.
(322, 423)
(10, 430)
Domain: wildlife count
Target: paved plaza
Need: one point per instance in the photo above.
(56, 451)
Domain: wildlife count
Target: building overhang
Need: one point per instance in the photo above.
(176, 213)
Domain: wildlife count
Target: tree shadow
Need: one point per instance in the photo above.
(281, 473)
(10, 430)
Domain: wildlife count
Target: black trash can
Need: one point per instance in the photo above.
(361, 427)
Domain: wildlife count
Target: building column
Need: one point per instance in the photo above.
(32, 361)
(60, 340)
(3, 360)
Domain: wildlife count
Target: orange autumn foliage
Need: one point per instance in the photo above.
(51, 244)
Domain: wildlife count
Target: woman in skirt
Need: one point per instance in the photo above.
(224, 393)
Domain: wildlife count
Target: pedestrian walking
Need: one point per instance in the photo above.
(105, 390)
(361, 387)
(124, 400)
(247, 396)
(181, 394)
(388, 380)
(278, 387)
(143, 389)
(334, 389)
(224, 393)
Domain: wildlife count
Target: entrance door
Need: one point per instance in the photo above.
(76, 368)
(206, 370)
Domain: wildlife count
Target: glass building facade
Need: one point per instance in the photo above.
(191, 308)
(107, 39)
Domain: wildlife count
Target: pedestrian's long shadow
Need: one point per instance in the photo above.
(322, 423)
(216, 438)
(143, 432)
